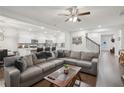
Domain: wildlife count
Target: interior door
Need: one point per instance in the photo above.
(106, 43)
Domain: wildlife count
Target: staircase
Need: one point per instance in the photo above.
(91, 44)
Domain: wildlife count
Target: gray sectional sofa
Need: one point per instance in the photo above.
(37, 68)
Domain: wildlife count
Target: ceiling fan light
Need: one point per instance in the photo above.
(70, 19)
(75, 19)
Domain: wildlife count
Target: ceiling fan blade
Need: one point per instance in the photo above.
(85, 13)
(63, 14)
(77, 11)
(67, 20)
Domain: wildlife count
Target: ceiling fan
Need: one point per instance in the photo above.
(74, 14)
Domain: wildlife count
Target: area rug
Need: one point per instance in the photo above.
(81, 84)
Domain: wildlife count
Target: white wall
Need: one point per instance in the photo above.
(83, 46)
(60, 38)
(96, 36)
(10, 39)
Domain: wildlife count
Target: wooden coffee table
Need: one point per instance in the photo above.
(60, 79)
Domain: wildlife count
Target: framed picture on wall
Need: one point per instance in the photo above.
(77, 40)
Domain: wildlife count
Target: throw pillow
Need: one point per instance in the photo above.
(52, 57)
(55, 53)
(28, 59)
(60, 54)
(36, 60)
(21, 64)
(39, 49)
(39, 61)
(48, 54)
(38, 55)
(67, 53)
(41, 55)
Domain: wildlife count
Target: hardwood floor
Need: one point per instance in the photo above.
(109, 73)
(1, 73)
(89, 79)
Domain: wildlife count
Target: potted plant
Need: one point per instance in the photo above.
(66, 68)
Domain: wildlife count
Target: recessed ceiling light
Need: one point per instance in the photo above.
(100, 30)
(55, 34)
(58, 31)
(30, 29)
(42, 27)
(99, 26)
(81, 28)
(45, 32)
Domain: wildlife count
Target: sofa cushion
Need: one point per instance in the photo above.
(75, 54)
(95, 55)
(67, 53)
(39, 61)
(30, 73)
(58, 62)
(86, 64)
(21, 64)
(70, 61)
(88, 56)
(50, 58)
(96, 60)
(28, 59)
(46, 66)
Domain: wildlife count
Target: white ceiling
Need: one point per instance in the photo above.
(47, 16)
